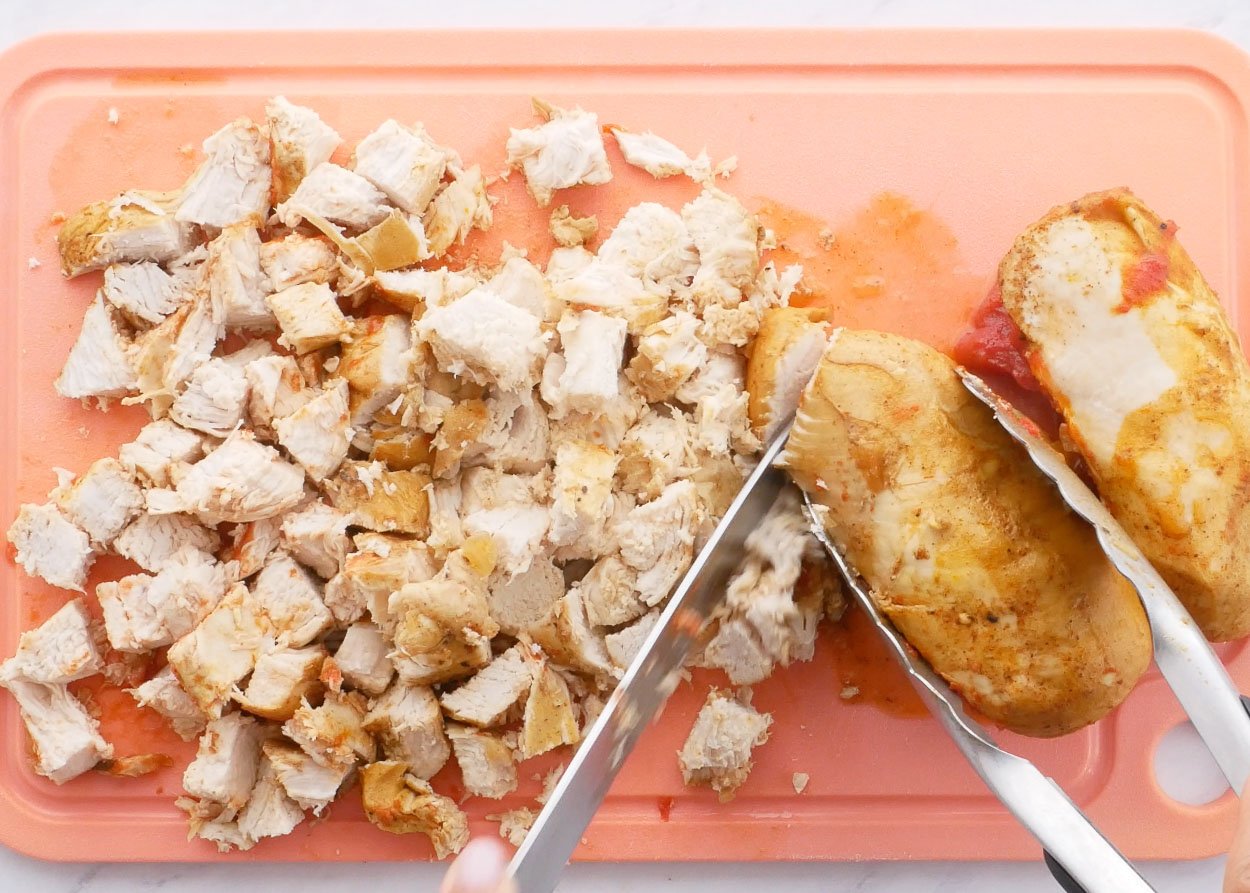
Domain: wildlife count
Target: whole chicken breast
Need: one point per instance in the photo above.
(965, 545)
(1131, 345)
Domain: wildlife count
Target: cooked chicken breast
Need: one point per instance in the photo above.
(333, 193)
(159, 447)
(408, 725)
(727, 238)
(241, 480)
(609, 593)
(215, 399)
(99, 363)
(380, 499)
(457, 210)
(269, 812)
(142, 612)
(151, 541)
(311, 785)
(332, 734)
(282, 680)
(667, 354)
(232, 183)
(317, 435)
(290, 598)
(624, 644)
(548, 721)
(582, 501)
(657, 538)
(316, 536)
(60, 650)
(485, 339)
(236, 283)
(135, 226)
(164, 694)
(569, 230)
(296, 259)
(377, 364)
(65, 737)
(565, 151)
(966, 546)
(51, 547)
(486, 698)
(783, 358)
(656, 155)
(519, 602)
(225, 765)
(586, 372)
(309, 316)
(215, 656)
(363, 658)
(403, 162)
(567, 637)
(298, 141)
(399, 802)
(487, 762)
(652, 244)
(143, 292)
(101, 501)
(718, 751)
(1131, 345)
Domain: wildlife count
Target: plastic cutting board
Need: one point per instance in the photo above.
(984, 129)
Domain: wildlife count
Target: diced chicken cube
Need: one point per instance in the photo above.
(548, 721)
(224, 768)
(608, 593)
(517, 530)
(143, 292)
(397, 801)
(380, 566)
(727, 237)
(722, 368)
(656, 155)
(398, 241)
(214, 657)
(656, 451)
(251, 545)
(236, 284)
(309, 316)
(651, 244)
(721, 422)
(275, 390)
(568, 638)
(100, 501)
(487, 763)
(66, 738)
(296, 259)
(160, 446)
(521, 284)
(142, 612)
(298, 141)
(282, 680)
(657, 538)
(403, 162)
(516, 435)
(269, 811)
(729, 327)
(380, 499)
(624, 644)
(518, 603)
(408, 724)
(611, 289)
(363, 659)
(241, 480)
(446, 531)
(317, 434)
(718, 751)
(414, 290)
(334, 193)
(165, 356)
(58, 651)
(486, 339)
(586, 373)
(582, 500)
(444, 624)
(151, 541)
(461, 207)
(232, 183)
(215, 399)
(668, 353)
(487, 698)
(52, 547)
(570, 231)
(378, 364)
(565, 151)
(164, 694)
(305, 781)
(290, 598)
(332, 734)
(98, 364)
(565, 263)
(135, 226)
(316, 536)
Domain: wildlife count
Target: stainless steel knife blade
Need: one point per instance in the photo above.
(646, 685)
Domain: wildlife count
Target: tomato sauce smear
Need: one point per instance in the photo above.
(995, 344)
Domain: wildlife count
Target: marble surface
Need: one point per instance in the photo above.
(22, 18)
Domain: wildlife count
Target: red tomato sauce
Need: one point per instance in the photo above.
(1147, 276)
(995, 344)
(665, 805)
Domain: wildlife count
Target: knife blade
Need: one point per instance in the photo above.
(646, 685)
(1183, 655)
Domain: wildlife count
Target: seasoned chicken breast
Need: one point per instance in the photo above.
(1132, 347)
(967, 548)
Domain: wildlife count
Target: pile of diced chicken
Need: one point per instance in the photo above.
(370, 544)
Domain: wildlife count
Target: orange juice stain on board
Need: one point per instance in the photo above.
(889, 266)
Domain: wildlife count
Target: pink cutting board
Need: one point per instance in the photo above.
(984, 129)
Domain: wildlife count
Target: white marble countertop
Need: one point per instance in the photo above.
(23, 18)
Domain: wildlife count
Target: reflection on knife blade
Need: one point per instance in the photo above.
(646, 685)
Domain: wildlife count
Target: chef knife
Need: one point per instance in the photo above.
(646, 685)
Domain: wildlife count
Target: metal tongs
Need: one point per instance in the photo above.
(1082, 860)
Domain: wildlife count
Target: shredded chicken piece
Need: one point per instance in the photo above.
(718, 751)
(569, 230)
(565, 151)
(399, 802)
(232, 184)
